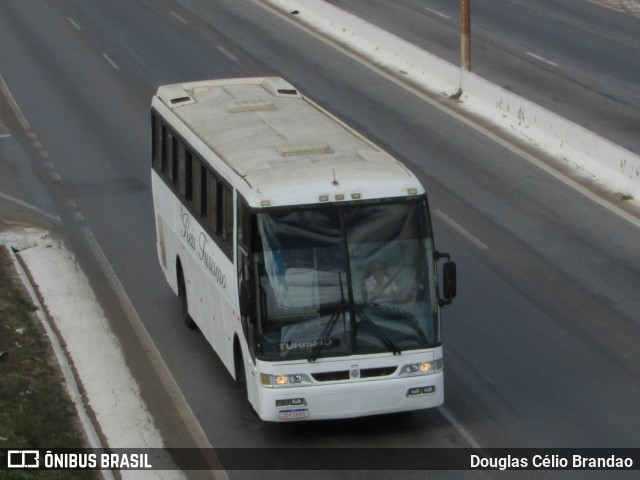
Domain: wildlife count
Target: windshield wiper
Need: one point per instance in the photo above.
(381, 335)
(317, 348)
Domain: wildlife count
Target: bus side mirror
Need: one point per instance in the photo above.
(449, 280)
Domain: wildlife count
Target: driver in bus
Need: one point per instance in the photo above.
(380, 287)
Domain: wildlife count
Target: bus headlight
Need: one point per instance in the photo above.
(422, 368)
(290, 380)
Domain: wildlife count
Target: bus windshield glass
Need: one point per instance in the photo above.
(337, 281)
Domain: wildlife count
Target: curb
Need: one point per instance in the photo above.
(61, 357)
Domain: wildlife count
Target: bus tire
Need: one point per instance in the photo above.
(238, 362)
(241, 375)
(182, 293)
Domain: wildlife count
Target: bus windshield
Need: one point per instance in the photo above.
(337, 281)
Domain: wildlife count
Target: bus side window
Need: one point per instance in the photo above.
(164, 149)
(169, 154)
(200, 187)
(244, 225)
(188, 178)
(228, 215)
(219, 209)
(244, 244)
(179, 162)
(156, 142)
(223, 221)
(224, 214)
(173, 159)
(184, 162)
(212, 203)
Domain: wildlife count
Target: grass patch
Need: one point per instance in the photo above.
(35, 409)
(456, 95)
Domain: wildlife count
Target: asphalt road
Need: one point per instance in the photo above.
(541, 345)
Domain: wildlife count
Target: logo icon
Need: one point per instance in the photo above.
(23, 459)
(354, 373)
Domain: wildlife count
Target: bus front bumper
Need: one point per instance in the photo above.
(351, 399)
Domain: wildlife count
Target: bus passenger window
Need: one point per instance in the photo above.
(199, 187)
(188, 176)
(164, 154)
(228, 215)
(156, 142)
(213, 202)
(244, 224)
(174, 159)
(224, 217)
(180, 166)
(185, 171)
(220, 209)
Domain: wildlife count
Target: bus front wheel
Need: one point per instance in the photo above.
(241, 377)
(182, 293)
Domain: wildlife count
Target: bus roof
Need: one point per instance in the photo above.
(288, 150)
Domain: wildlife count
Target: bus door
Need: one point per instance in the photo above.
(245, 277)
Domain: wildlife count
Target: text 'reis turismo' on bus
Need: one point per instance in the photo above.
(302, 251)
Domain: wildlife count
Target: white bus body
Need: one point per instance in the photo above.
(301, 250)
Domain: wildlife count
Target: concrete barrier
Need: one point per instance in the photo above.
(617, 168)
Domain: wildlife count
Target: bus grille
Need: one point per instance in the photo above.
(344, 374)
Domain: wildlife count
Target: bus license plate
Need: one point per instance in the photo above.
(291, 414)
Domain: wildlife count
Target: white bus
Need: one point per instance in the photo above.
(301, 250)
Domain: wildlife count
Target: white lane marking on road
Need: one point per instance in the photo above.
(178, 17)
(14, 105)
(459, 427)
(542, 59)
(227, 53)
(110, 61)
(74, 23)
(461, 230)
(28, 206)
(435, 12)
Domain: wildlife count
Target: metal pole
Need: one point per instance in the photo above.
(465, 34)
